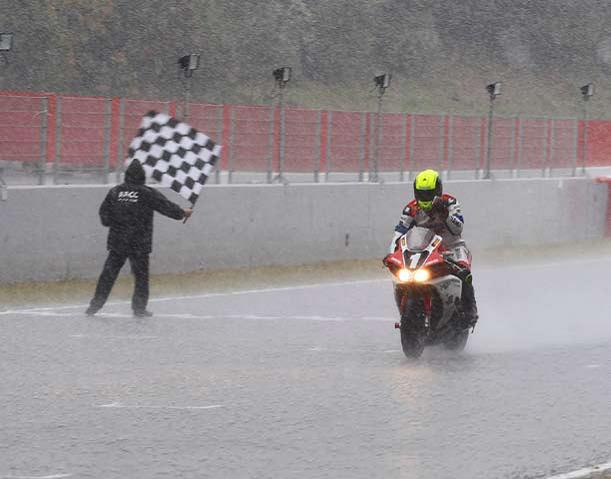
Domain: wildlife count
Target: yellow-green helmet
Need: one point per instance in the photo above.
(427, 186)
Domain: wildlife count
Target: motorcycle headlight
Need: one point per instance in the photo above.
(404, 275)
(422, 275)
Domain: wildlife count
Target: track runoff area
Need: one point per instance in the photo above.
(309, 380)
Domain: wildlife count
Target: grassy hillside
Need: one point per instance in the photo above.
(441, 54)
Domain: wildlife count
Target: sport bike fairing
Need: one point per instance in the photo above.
(417, 245)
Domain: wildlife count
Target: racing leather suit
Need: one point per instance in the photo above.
(446, 219)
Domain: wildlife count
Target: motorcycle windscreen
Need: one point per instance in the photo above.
(417, 239)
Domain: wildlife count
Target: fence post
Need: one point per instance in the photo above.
(520, 146)
(121, 139)
(226, 139)
(512, 146)
(584, 145)
(515, 146)
(552, 139)
(231, 151)
(575, 146)
(282, 151)
(44, 108)
(318, 155)
(362, 144)
(58, 138)
(328, 152)
(482, 147)
(270, 156)
(545, 133)
(450, 146)
(372, 146)
(220, 124)
(403, 147)
(106, 145)
(377, 152)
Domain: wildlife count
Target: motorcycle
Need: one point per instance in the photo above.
(427, 292)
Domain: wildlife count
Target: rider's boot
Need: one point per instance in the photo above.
(468, 302)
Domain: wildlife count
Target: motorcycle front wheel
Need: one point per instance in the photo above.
(412, 324)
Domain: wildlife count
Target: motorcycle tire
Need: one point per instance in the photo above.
(458, 342)
(412, 322)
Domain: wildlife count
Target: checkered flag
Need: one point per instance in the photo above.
(174, 153)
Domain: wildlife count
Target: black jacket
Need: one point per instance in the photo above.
(128, 211)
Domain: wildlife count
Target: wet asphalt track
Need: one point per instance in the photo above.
(310, 382)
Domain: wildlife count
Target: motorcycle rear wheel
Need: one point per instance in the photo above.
(458, 342)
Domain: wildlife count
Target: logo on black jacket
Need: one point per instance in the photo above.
(131, 196)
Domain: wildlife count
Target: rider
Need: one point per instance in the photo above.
(441, 213)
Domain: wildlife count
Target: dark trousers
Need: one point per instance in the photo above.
(112, 266)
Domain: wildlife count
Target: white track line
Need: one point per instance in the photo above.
(585, 472)
(52, 476)
(117, 405)
(252, 317)
(203, 296)
(100, 336)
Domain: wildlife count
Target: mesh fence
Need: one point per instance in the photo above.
(22, 129)
(302, 141)
(83, 133)
(465, 143)
(346, 142)
(252, 137)
(42, 133)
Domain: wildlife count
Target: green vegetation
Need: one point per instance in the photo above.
(441, 54)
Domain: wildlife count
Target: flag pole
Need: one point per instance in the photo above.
(192, 207)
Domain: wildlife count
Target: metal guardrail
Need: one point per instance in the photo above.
(60, 139)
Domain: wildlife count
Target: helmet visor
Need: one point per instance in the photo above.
(425, 195)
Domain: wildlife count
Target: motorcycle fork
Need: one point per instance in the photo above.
(427, 306)
(428, 309)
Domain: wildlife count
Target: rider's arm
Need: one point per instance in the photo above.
(455, 220)
(405, 223)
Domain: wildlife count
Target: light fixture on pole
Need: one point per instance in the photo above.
(188, 64)
(587, 92)
(382, 82)
(6, 44)
(494, 90)
(282, 76)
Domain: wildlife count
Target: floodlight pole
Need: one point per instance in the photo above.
(374, 178)
(489, 140)
(584, 142)
(189, 79)
(188, 64)
(494, 90)
(282, 76)
(382, 82)
(282, 134)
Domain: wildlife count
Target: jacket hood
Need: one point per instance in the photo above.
(134, 175)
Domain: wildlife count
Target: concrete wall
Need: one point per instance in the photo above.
(52, 233)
